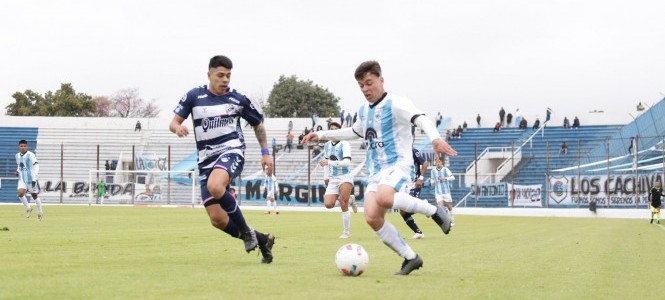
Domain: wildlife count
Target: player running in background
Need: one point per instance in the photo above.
(27, 169)
(440, 179)
(384, 121)
(418, 168)
(338, 178)
(216, 112)
(270, 188)
(655, 194)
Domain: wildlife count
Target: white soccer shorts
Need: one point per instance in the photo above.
(335, 182)
(444, 197)
(28, 187)
(395, 177)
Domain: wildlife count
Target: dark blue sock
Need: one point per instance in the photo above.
(408, 218)
(230, 205)
(231, 229)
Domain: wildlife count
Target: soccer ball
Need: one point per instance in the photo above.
(352, 260)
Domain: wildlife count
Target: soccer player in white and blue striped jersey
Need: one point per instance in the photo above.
(441, 178)
(338, 178)
(27, 169)
(216, 111)
(384, 121)
(269, 187)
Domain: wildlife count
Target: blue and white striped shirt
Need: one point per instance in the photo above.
(337, 151)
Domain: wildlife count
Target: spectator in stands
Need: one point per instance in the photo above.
(274, 144)
(448, 134)
(289, 141)
(509, 119)
(219, 168)
(518, 117)
(138, 126)
(348, 120)
(341, 118)
(314, 117)
(564, 149)
(576, 123)
(502, 115)
(566, 122)
(497, 127)
(640, 106)
(633, 140)
(316, 150)
(439, 117)
(478, 120)
(290, 126)
(107, 165)
(523, 123)
(300, 137)
(464, 126)
(536, 124)
(459, 131)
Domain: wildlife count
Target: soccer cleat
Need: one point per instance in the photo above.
(249, 238)
(409, 265)
(651, 222)
(277, 213)
(266, 212)
(345, 235)
(266, 249)
(40, 216)
(354, 205)
(418, 236)
(28, 212)
(442, 218)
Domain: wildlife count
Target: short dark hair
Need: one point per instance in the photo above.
(334, 124)
(21, 142)
(370, 66)
(220, 61)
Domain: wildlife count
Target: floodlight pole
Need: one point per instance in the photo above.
(579, 170)
(475, 167)
(607, 189)
(547, 174)
(636, 183)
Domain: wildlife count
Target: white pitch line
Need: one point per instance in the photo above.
(661, 226)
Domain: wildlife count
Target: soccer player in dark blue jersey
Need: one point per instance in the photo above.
(216, 111)
(417, 172)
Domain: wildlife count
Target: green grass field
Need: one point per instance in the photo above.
(81, 252)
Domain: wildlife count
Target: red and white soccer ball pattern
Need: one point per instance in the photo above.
(352, 260)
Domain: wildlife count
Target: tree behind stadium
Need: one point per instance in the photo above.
(291, 97)
(64, 102)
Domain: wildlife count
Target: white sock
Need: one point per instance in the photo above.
(25, 202)
(275, 205)
(39, 205)
(389, 236)
(412, 204)
(346, 220)
(267, 205)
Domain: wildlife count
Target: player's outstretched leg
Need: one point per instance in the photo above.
(408, 219)
(409, 203)
(443, 219)
(236, 223)
(266, 241)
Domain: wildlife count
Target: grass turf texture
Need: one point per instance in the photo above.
(81, 252)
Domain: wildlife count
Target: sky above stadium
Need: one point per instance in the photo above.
(459, 58)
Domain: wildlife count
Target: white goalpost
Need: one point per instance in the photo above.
(142, 187)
